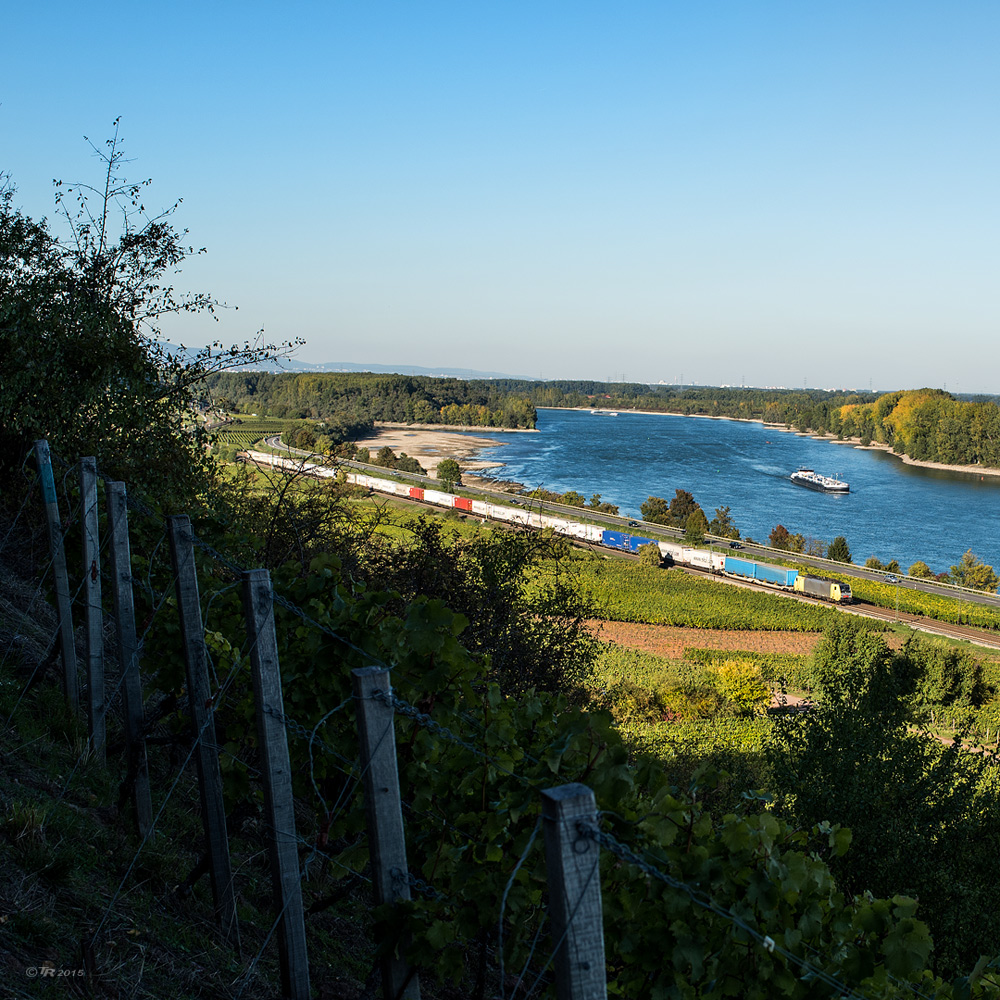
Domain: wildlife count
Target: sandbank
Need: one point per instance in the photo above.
(429, 444)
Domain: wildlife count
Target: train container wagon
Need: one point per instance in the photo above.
(672, 552)
(701, 558)
(463, 503)
(439, 498)
(415, 492)
(749, 570)
(614, 539)
(825, 590)
(482, 508)
(777, 575)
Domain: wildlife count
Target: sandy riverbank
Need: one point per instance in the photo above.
(429, 445)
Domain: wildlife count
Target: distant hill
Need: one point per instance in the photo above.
(294, 365)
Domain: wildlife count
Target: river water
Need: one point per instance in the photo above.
(894, 511)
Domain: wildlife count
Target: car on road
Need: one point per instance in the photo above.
(736, 545)
(633, 524)
(892, 579)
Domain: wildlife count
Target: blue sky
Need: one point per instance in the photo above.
(775, 193)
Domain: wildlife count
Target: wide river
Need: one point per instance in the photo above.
(894, 511)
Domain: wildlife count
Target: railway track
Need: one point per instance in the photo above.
(981, 637)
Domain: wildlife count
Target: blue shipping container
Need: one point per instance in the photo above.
(615, 539)
(761, 571)
(741, 567)
(776, 574)
(634, 542)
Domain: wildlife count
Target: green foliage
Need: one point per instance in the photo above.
(838, 550)
(722, 524)
(919, 811)
(79, 317)
(921, 571)
(695, 527)
(742, 684)
(974, 574)
(656, 510)
(357, 398)
(450, 473)
(650, 555)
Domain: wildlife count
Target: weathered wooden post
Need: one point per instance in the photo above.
(574, 877)
(43, 460)
(128, 655)
(258, 606)
(384, 811)
(201, 707)
(93, 614)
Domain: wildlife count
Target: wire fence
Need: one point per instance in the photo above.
(335, 773)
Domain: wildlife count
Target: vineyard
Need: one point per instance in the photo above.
(245, 433)
(630, 592)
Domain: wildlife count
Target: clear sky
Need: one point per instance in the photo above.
(775, 193)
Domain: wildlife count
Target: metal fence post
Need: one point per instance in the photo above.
(128, 654)
(43, 461)
(93, 614)
(278, 802)
(386, 843)
(574, 877)
(200, 699)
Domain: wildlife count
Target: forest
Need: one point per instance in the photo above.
(354, 397)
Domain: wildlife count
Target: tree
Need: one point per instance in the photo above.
(682, 507)
(385, 457)
(972, 573)
(650, 555)
(79, 318)
(450, 473)
(779, 537)
(920, 813)
(838, 550)
(722, 524)
(656, 510)
(921, 570)
(696, 526)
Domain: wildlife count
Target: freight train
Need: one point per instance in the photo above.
(671, 552)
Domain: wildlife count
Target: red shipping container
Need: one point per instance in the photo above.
(416, 492)
(463, 503)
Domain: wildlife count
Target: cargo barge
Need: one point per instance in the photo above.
(814, 481)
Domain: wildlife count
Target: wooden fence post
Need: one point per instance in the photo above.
(574, 877)
(273, 747)
(128, 655)
(386, 844)
(200, 699)
(93, 615)
(43, 461)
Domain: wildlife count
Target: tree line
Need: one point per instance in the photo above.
(350, 398)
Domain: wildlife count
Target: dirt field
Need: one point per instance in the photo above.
(670, 642)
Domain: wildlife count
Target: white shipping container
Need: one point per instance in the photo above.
(698, 557)
(439, 498)
(481, 507)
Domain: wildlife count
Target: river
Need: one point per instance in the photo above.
(894, 511)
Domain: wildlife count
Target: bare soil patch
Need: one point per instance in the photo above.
(670, 641)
